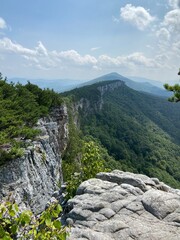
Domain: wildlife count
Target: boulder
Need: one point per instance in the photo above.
(123, 206)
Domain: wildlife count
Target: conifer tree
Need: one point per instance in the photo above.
(175, 89)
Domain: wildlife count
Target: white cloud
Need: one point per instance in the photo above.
(40, 55)
(176, 47)
(2, 23)
(168, 36)
(31, 58)
(137, 16)
(8, 45)
(74, 57)
(174, 3)
(42, 59)
(163, 34)
(138, 58)
(95, 48)
(134, 59)
(172, 21)
(41, 50)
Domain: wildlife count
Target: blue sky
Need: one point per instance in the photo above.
(83, 39)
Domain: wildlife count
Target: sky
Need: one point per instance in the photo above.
(84, 39)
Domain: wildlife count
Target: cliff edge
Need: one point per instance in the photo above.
(32, 179)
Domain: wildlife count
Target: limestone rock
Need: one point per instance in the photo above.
(32, 179)
(121, 206)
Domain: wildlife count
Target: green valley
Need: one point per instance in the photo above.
(140, 131)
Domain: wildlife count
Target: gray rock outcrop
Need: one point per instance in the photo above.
(32, 179)
(124, 206)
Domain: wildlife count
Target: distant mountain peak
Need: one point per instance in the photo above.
(110, 76)
(147, 87)
(112, 73)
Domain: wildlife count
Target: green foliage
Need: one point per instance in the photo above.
(140, 131)
(88, 165)
(20, 108)
(13, 153)
(176, 92)
(84, 157)
(25, 225)
(91, 93)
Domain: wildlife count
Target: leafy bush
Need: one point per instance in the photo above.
(90, 163)
(24, 225)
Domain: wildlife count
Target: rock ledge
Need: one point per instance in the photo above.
(126, 206)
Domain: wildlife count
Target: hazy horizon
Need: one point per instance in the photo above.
(86, 39)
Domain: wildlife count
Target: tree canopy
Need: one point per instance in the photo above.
(176, 91)
(20, 108)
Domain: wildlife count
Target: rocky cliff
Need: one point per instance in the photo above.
(126, 206)
(93, 101)
(33, 178)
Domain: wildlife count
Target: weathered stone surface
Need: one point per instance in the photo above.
(32, 179)
(121, 206)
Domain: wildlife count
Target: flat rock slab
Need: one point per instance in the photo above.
(124, 206)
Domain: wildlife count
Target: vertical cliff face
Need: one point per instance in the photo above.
(33, 178)
(87, 106)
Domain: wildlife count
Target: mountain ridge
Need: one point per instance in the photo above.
(139, 86)
(62, 85)
(139, 130)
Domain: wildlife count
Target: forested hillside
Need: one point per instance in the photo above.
(139, 130)
(133, 131)
(20, 108)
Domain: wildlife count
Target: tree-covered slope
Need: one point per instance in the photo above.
(20, 108)
(139, 130)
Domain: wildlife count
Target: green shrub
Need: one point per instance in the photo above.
(90, 163)
(25, 225)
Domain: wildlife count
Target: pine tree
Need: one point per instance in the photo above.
(175, 89)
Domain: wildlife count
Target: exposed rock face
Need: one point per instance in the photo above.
(32, 179)
(123, 206)
(90, 106)
(108, 88)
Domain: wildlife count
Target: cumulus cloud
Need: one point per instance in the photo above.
(8, 45)
(134, 59)
(176, 47)
(168, 33)
(74, 57)
(41, 50)
(138, 58)
(174, 3)
(163, 34)
(137, 16)
(2, 23)
(172, 21)
(41, 58)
